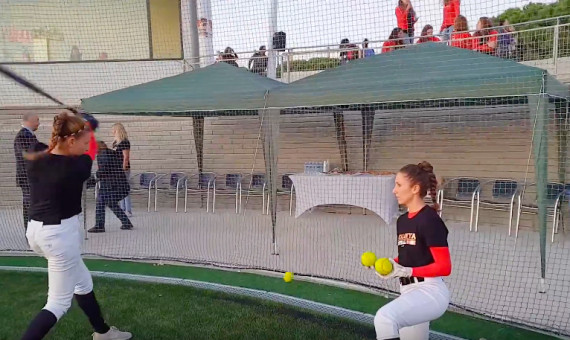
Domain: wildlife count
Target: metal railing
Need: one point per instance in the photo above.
(536, 40)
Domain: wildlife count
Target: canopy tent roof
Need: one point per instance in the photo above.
(426, 71)
(218, 87)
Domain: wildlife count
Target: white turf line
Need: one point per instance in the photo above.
(254, 293)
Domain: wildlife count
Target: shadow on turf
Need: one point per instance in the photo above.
(362, 330)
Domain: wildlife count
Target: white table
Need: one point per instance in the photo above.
(367, 191)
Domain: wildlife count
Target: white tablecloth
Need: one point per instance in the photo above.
(367, 191)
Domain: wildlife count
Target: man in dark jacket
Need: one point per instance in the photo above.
(26, 141)
(113, 187)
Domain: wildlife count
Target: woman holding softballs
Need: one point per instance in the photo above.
(423, 259)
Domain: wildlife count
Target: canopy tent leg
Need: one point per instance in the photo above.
(538, 105)
(367, 128)
(198, 125)
(269, 120)
(341, 139)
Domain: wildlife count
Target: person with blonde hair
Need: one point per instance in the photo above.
(122, 144)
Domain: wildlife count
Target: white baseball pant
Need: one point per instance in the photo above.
(67, 274)
(408, 316)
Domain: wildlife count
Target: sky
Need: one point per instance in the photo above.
(244, 24)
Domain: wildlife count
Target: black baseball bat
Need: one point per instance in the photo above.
(23, 81)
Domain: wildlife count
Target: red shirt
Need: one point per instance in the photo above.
(428, 39)
(92, 152)
(482, 44)
(450, 12)
(389, 46)
(462, 40)
(402, 17)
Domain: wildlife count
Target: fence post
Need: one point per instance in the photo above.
(288, 66)
(555, 46)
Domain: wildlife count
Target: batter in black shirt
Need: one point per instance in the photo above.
(56, 184)
(56, 179)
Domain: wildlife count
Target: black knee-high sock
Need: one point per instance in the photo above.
(40, 326)
(90, 307)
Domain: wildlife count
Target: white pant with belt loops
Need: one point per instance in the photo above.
(409, 315)
(67, 274)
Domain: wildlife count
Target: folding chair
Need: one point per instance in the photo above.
(459, 192)
(502, 198)
(143, 182)
(169, 184)
(556, 195)
(285, 189)
(255, 186)
(230, 187)
(200, 184)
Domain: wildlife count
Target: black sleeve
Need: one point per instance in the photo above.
(435, 232)
(83, 167)
(38, 147)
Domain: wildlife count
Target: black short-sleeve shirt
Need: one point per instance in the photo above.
(123, 145)
(416, 235)
(56, 186)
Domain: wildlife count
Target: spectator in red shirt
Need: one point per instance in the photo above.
(406, 17)
(450, 12)
(348, 51)
(461, 37)
(427, 35)
(396, 40)
(486, 37)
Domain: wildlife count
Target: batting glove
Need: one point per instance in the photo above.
(397, 271)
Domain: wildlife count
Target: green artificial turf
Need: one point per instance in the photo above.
(451, 323)
(159, 311)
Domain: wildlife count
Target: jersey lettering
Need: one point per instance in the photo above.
(406, 239)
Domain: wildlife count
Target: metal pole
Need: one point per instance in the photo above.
(194, 38)
(288, 68)
(206, 40)
(272, 55)
(282, 67)
(555, 46)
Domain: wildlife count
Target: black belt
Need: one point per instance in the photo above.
(409, 280)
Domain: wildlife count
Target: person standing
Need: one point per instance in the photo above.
(114, 186)
(26, 141)
(122, 144)
(56, 178)
(451, 9)
(406, 17)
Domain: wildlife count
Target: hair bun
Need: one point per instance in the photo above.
(426, 166)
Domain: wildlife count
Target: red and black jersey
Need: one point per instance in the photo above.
(422, 243)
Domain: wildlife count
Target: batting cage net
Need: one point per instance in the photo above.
(287, 162)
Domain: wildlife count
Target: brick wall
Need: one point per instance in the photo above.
(486, 146)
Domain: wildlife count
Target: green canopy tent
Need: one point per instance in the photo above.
(421, 74)
(216, 90)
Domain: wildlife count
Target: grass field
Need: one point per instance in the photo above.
(156, 311)
(451, 323)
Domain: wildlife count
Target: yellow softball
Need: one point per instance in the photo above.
(383, 266)
(368, 259)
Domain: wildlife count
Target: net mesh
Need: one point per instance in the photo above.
(243, 186)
